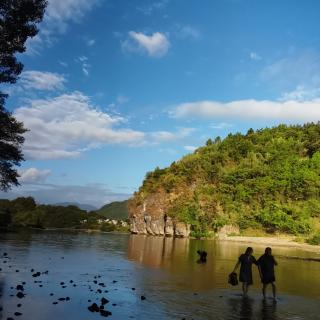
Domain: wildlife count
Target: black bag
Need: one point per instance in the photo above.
(233, 279)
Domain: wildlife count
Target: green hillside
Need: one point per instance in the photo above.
(115, 210)
(267, 179)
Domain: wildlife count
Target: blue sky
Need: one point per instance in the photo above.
(112, 89)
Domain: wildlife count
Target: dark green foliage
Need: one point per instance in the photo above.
(315, 239)
(18, 19)
(115, 210)
(267, 179)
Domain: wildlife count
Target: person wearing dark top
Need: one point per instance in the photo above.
(245, 261)
(266, 265)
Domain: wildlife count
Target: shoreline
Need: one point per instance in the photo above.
(273, 242)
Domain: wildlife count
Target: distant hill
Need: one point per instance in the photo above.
(115, 210)
(82, 206)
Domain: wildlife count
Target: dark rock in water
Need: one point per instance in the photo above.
(19, 305)
(61, 283)
(133, 288)
(195, 294)
(143, 298)
(74, 285)
(89, 300)
(114, 281)
(11, 288)
(104, 300)
(64, 287)
(94, 308)
(0, 309)
(62, 257)
(37, 274)
(10, 318)
(17, 270)
(105, 313)
(51, 294)
(20, 295)
(32, 270)
(106, 291)
(5, 261)
(0, 269)
(46, 272)
(95, 281)
(62, 299)
(101, 307)
(71, 281)
(23, 283)
(101, 284)
(40, 285)
(18, 314)
(114, 304)
(5, 254)
(55, 302)
(67, 298)
(99, 291)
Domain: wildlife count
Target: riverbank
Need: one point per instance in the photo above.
(280, 241)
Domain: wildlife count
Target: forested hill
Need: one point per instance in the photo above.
(266, 179)
(115, 210)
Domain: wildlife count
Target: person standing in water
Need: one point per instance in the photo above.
(266, 265)
(245, 261)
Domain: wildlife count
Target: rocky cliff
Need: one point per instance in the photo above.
(149, 216)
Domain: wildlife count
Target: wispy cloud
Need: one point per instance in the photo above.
(250, 110)
(93, 194)
(168, 136)
(67, 125)
(152, 7)
(42, 80)
(221, 125)
(90, 42)
(190, 148)
(255, 56)
(33, 175)
(155, 45)
(85, 66)
(188, 32)
(58, 15)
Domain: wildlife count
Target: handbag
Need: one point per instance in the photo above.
(233, 279)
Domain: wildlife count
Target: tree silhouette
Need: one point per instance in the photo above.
(18, 22)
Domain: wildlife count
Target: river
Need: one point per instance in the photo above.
(163, 270)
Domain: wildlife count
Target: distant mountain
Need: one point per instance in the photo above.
(115, 210)
(82, 206)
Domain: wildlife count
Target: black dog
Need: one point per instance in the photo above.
(203, 256)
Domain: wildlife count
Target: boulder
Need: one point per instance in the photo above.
(227, 230)
(169, 227)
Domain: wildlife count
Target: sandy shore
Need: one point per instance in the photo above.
(281, 241)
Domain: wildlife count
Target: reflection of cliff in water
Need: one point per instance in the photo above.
(178, 256)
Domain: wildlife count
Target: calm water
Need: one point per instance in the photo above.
(164, 270)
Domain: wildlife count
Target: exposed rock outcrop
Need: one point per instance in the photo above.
(227, 230)
(161, 226)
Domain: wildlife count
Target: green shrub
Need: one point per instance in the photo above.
(315, 239)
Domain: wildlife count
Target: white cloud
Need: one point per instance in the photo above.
(155, 45)
(33, 175)
(250, 110)
(85, 66)
(59, 13)
(167, 136)
(42, 80)
(67, 125)
(190, 148)
(254, 56)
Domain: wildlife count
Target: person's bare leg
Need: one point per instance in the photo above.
(274, 291)
(264, 287)
(244, 289)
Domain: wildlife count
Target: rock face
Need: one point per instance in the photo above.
(149, 217)
(227, 230)
(161, 226)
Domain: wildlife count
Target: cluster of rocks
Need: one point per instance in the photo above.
(159, 226)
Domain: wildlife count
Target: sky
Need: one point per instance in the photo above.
(112, 89)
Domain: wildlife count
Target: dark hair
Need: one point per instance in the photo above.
(249, 250)
(268, 249)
